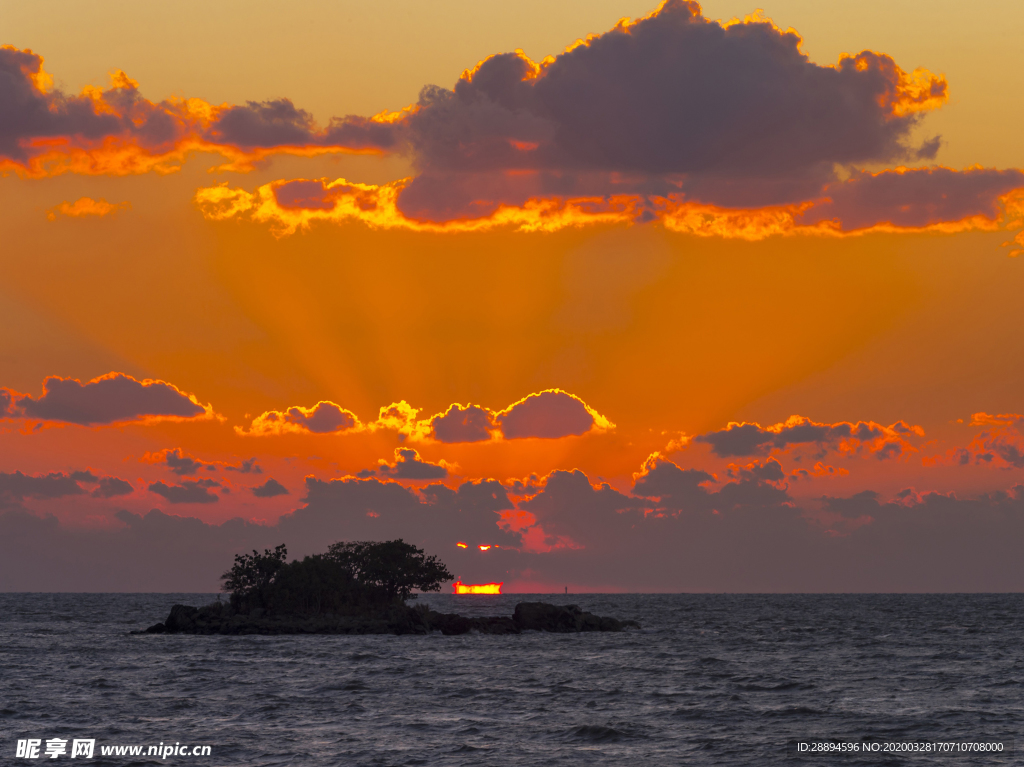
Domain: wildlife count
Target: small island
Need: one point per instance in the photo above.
(356, 587)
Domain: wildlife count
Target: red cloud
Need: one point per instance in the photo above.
(113, 398)
(323, 418)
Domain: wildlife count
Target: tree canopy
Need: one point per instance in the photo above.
(394, 567)
(350, 576)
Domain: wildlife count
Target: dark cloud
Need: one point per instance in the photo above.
(409, 465)
(185, 465)
(30, 113)
(246, 467)
(573, 512)
(189, 491)
(17, 487)
(279, 122)
(765, 471)
(270, 489)
(112, 487)
(113, 398)
(733, 115)
(470, 513)
(747, 439)
(913, 198)
(674, 490)
(147, 133)
(549, 414)
(463, 423)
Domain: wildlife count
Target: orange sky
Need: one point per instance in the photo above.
(608, 266)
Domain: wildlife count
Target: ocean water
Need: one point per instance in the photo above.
(708, 680)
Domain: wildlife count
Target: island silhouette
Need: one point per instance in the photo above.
(355, 587)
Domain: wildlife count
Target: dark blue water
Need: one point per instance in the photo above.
(709, 680)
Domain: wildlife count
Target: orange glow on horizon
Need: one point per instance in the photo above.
(477, 588)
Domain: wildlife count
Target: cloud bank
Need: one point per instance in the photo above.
(675, 530)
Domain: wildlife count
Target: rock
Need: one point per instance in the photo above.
(219, 618)
(541, 616)
(182, 618)
(496, 626)
(450, 624)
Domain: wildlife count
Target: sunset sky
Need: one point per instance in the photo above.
(686, 298)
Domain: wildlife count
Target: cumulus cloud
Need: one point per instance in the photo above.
(572, 512)
(270, 489)
(112, 487)
(731, 114)
(550, 414)
(189, 491)
(714, 129)
(409, 465)
(109, 399)
(323, 418)
(673, 490)
(463, 423)
(748, 439)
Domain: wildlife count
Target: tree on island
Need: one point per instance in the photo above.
(393, 567)
(351, 577)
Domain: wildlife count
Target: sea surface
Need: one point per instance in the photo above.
(708, 680)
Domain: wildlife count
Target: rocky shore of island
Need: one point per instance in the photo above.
(221, 618)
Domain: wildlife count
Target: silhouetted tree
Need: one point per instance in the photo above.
(392, 568)
(350, 577)
(251, 575)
